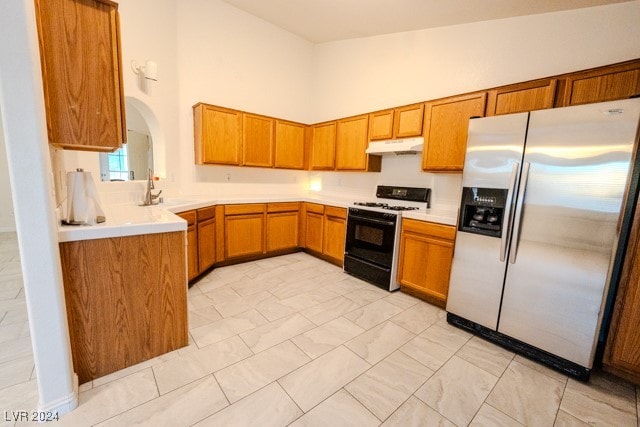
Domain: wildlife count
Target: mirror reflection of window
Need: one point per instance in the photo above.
(130, 162)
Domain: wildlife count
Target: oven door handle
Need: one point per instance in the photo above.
(373, 220)
(386, 269)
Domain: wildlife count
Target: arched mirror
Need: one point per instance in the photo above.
(135, 158)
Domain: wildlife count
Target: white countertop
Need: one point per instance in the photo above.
(130, 219)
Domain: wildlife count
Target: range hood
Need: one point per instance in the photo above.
(396, 146)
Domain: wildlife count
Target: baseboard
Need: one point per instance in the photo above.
(63, 405)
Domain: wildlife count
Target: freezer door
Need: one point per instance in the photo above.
(578, 161)
(494, 153)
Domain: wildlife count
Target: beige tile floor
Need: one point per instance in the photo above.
(293, 340)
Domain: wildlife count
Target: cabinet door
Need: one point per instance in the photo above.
(522, 97)
(351, 143)
(218, 135)
(408, 121)
(289, 145)
(313, 231)
(192, 252)
(206, 244)
(82, 73)
(335, 229)
(381, 125)
(425, 264)
(244, 235)
(257, 140)
(603, 84)
(323, 146)
(282, 231)
(446, 124)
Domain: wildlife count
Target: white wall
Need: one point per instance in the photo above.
(362, 75)
(230, 58)
(7, 220)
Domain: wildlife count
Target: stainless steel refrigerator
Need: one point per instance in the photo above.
(539, 225)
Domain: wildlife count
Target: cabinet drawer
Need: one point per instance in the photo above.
(189, 216)
(447, 232)
(314, 207)
(283, 207)
(249, 208)
(335, 212)
(206, 213)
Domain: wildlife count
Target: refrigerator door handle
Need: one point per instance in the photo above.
(506, 221)
(518, 216)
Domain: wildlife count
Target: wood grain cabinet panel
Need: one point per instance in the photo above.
(334, 229)
(82, 73)
(603, 84)
(282, 230)
(244, 232)
(407, 121)
(217, 135)
(522, 97)
(323, 146)
(206, 244)
(381, 125)
(351, 145)
(126, 300)
(622, 353)
(426, 254)
(314, 223)
(192, 243)
(290, 145)
(257, 140)
(446, 123)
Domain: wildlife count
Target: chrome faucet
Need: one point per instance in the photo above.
(149, 197)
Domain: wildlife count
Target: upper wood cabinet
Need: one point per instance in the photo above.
(218, 135)
(323, 146)
(351, 144)
(381, 125)
(535, 95)
(290, 145)
(401, 122)
(407, 121)
(257, 140)
(445, 131)
(602, 84)
(82, 73)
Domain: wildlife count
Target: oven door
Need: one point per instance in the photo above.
(369, 248)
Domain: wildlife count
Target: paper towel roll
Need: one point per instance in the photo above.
(83, 202)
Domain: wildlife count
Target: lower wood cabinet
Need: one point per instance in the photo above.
(325, 230)
(426, 253)
(282, 226)
(126, 300)
(244, 227)
(206, 238)
(335, 229)
(192, 243)
(622, 353)
(313, 226)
